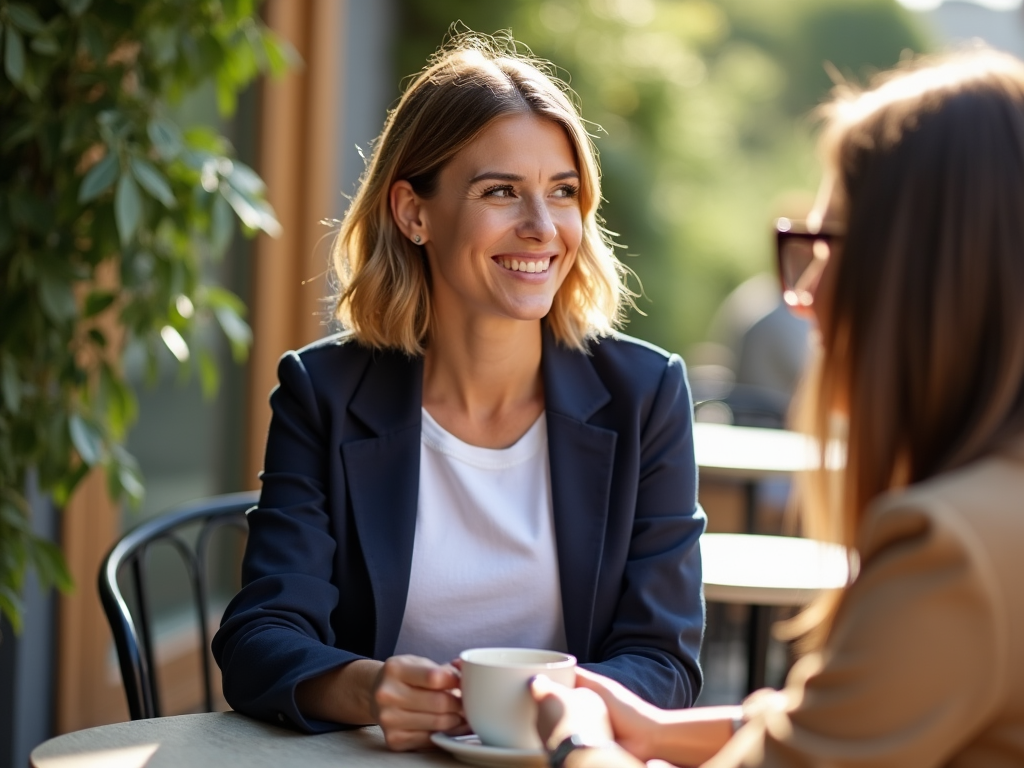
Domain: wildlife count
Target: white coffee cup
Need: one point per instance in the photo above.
(496, 696)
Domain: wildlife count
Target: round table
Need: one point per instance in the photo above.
(764, 571)
(222, 740)
(769, 570)
(751, 453)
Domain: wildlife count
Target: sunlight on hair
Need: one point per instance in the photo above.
(916, 79)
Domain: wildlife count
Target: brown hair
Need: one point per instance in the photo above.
(383, 278)
(923, 344)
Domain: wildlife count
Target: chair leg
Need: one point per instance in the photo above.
(757, 646)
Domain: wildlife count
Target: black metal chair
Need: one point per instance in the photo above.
(133, 629)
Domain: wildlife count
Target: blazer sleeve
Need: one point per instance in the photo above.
(276, 632)
(913, 668)
(654, 644)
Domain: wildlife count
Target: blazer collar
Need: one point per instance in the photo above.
(572, 387)
(390, 396)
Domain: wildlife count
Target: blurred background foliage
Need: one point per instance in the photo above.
(111, 216)
(702, 113)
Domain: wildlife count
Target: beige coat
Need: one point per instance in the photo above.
(925, 663)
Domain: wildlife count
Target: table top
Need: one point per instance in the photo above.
(223, 740)
(750, 453)
(769, 570)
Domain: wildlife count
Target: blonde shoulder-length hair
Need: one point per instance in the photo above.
(383, 278)
(923, 343)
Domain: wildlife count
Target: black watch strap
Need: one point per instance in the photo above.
(570, 744)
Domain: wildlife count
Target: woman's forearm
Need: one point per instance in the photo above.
(342, 695)
(692, 736)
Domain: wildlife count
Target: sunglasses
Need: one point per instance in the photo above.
(802, 256)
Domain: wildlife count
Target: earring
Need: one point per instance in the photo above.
(417, 239)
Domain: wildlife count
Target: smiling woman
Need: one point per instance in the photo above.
(478, 459)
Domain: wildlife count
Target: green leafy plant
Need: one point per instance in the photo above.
(110, 215)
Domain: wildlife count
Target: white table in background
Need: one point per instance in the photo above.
(765, 571)
(769, 570)
(750, 453)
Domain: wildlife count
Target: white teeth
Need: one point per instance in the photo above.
(515, 265)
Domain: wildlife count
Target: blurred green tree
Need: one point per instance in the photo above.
(701, 113)
(110, 214)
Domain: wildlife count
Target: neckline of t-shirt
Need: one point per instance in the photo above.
(437, 438)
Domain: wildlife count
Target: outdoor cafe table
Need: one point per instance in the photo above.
(746, 455)
(763, 571)
(223, 740)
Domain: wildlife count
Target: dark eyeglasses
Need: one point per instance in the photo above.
(802, 256)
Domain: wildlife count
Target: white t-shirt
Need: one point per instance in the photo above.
(484, 564)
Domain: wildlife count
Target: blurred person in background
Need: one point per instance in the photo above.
(912, 264)
(478, 460)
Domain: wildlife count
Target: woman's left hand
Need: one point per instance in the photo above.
(563, 711)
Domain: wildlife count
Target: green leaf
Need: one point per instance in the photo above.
(86, 439)
(254, 213)
(245, 180)
(166, 138)
(11, 384)
(162, 44)
(14, 55)
(98, 338)
(46, 45)
(99, 178)
(11, 607)
(132, 483)
(62, 491)
(7, 232)
(152, 181)
(227, 97)
(209, 374)
(91, 39)
(215, 296)
(13, 515)
(175, 342)
(97, 301)
(25, 18)
(120, 405)
(127, 208)
(57, 298)
(127, 474)
(50, 565)
(237, 330)
(279, 53)
(222, 225)
(76, 7)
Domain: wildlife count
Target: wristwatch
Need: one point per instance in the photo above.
(571, 743)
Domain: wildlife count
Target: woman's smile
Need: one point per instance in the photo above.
(525, 264)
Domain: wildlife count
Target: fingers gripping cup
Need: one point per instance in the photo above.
(496, 696)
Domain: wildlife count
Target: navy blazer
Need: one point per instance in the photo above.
(326, 569)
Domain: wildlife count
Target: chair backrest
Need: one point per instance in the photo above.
(133, 629)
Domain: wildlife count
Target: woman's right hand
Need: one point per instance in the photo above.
(413, 697)
(634, 721)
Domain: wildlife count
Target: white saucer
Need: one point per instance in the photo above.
(468, 749)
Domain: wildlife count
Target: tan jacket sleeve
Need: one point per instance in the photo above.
(913, 665)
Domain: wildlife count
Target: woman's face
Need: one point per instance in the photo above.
(502, 230)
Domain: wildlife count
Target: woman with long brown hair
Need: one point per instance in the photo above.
(478, 459)
(912, 263)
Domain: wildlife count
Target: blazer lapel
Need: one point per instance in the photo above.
(382, 474)
(581, 457)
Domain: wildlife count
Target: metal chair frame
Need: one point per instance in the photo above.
(133, 635)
